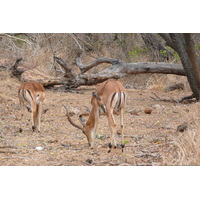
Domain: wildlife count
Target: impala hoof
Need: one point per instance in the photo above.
(33, 128)
(123, 145)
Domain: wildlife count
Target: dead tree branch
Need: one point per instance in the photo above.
(80, 47)
(187, 98)
(165, 100)
(68, 71)
(15, 38)
(87, 67)
(14, 68)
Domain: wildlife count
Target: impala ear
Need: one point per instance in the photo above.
(81, 119)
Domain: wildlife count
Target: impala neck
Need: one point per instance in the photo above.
(93, 117)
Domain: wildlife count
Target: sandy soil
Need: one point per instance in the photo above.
(149, 138)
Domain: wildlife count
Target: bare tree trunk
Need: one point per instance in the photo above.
(183, 44)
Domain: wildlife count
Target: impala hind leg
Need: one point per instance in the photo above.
(122, 128)
(112, 125)
(22, 112)
(34, 116)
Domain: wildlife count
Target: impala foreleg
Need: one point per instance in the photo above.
(39, 113)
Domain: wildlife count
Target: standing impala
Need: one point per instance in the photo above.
(33, 93)
(109, 96)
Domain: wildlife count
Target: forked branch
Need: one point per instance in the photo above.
(68, 71)
(98, 61)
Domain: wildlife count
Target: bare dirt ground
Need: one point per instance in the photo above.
(151, 139)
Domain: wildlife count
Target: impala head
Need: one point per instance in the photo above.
(86, 129)
(89, 127)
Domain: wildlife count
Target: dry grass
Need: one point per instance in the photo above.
(188, 148)
(187, 143)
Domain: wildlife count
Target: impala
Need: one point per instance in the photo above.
(109, 96)
(34, 94)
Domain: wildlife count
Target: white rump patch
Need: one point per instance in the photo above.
(122, 98)
(115, 100)
(26, 95)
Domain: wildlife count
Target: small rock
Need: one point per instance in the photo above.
(181, 128)
(133, 112)
(185, 102)
(148, 110)
(89, 161)
(39, 148)
(158, 106)
(52, 141)
(118, 132)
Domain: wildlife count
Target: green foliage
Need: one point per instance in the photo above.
(136, 52)
(197, 46)
(175, 54)
(20, 43)
(163, 52)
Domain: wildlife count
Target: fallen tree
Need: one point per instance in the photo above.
(116, 70)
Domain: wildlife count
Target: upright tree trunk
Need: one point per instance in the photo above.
(183, 44)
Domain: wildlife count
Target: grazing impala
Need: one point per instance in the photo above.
(109, 96)
(33, 93)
